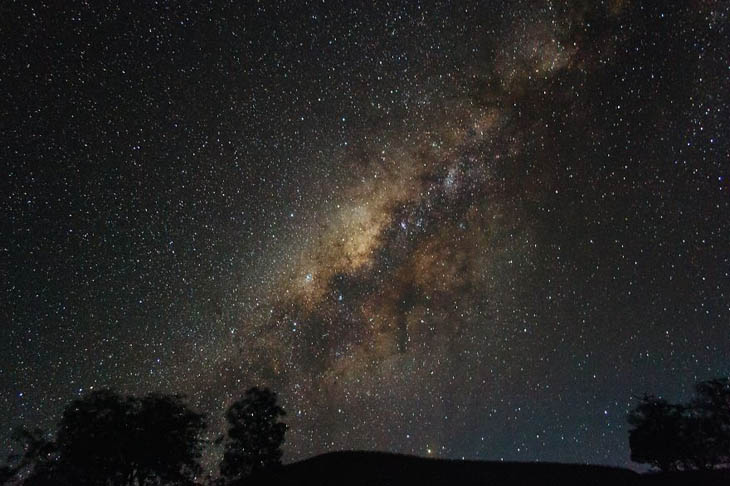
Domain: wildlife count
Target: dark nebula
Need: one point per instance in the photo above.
(459, 229)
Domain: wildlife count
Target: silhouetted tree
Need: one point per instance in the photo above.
(169, 432)
(93, 440)
(106, 439)
(693, 436)
(657, 430)
(255, 435)
(709, 416)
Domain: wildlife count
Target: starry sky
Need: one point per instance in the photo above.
(457, 229)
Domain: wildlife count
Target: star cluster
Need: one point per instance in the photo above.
(459, 229)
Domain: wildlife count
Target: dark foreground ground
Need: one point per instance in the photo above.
(374, 468)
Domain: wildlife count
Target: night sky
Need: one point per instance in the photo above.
(457, 229)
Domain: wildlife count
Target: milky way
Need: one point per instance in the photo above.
(469, 230)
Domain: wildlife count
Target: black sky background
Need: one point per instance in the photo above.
(472, 229)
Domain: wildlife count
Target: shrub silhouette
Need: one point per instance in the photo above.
(255, 436)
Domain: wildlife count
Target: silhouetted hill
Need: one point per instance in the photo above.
(383, 469)
(376, 468)
(688, 478)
